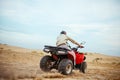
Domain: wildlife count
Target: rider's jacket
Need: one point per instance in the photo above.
(62, 40)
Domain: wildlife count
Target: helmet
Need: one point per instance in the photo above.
(63, 32)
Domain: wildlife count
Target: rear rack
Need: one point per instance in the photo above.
(56, 48)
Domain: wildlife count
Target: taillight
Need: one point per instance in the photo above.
(55, 57)
(46, 50)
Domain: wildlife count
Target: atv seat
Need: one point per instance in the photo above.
(56, 50)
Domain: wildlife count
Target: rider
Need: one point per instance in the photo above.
(62, 42)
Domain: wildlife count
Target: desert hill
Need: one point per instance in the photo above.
(18, 63)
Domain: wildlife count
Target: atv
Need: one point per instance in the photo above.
(62, 60)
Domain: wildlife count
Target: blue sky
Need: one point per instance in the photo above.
(34, 23)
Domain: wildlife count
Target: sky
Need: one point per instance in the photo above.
(35, 23)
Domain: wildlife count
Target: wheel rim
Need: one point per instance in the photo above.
(85, 70)
(49, 64)
(68, 68)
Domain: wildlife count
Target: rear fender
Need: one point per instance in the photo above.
(71, 55)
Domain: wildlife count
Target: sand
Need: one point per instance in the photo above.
(18, 63)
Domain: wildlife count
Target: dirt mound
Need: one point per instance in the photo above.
(23, 64)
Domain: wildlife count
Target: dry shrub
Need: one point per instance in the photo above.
(34, 52)
(9, 50)
(90, 53)
(41, 53)
(96, 60)
(113, 62)
(86, 53)
(1, 48)
(5, 44)
(37, 53)
(118, 64)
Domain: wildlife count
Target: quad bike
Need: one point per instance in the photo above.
(62, 60)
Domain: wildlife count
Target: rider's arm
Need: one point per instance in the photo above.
(73, 41)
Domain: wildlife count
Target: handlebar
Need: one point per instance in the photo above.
(76, 48)
(82, 43)
(80, 47)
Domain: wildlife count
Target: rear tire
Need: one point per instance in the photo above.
(46, 63)
(65, 66)
(83, 67)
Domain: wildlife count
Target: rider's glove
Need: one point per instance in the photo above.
(81, 46)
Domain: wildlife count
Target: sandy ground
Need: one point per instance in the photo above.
(23, 64)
